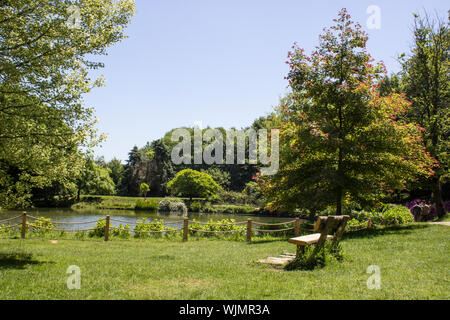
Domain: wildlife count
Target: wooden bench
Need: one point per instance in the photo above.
(330, 227)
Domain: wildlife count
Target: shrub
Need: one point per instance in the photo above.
(42, 226)
(218, 225)
(195, 206)
(309, 260)
(191, 183)
(387, 214)
(143, 226)
(4, 228)
(231, 197)
(99, 229)
(395, 214)
(148, 204)
(172, 205)
(122, 231)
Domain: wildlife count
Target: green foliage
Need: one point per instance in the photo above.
(191, 183)
(116, 170)
(172, 205)
(99, 229)
(144, 189)
(45, 74)
(311, 259)
(146, 204)
(95, 179)
(396, 214)
(216, 225)
(340, 136)
(222, 178)
(195, 206)
(122, 231)
(387, 214)
(156, 226)
(37, 225)
(149, 163)
(426, 84)
(5, 229)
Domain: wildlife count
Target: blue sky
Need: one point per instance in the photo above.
(222, 62)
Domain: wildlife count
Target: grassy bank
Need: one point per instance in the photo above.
(413, 262)
(129, 203)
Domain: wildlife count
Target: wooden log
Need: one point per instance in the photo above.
(249, 230)
(107, 228)
(24, 225)
(185, 229)
(297, 227)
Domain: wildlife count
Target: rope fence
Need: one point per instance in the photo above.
(188, 226)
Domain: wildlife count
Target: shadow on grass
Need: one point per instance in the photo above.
(375, 232)
(17, 260)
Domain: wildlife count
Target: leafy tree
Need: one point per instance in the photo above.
(116, 167)
(44, 64)
(160, 169)
(426, 83)
(95, 180)
(340, 138)
(191, 183)
(144, 188)
(134, 172)
(221, 177)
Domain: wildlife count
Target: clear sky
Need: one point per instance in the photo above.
(222, 62)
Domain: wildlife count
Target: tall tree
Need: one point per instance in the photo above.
(426, 83)
(46, 52)
(160, 169)
(341, 138)
(134, 173)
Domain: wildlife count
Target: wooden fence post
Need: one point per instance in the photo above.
(107, 228)
(297, 227)
(249, 230)
(185, 229)
(24, 225)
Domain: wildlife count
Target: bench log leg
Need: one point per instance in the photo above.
(300, 250)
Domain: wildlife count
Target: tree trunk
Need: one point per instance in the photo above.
(78, 194)
(339, 201)
(437, 197)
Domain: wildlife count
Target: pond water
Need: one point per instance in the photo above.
(130, 216)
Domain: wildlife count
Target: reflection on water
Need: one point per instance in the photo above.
(130, 216)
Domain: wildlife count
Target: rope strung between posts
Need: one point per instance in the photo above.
(129, 222)
(260, 230)
(218, 224)
(10, 226)
(55, 222)
(208, 231)
(272, 224)
(9, 219)
(143, 231)
(61, 230)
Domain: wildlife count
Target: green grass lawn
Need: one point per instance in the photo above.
(413, 260)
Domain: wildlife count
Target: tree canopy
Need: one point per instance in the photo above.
(46, 47)
(340, 138)
(191, 183)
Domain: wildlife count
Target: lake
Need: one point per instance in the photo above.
(130, 216)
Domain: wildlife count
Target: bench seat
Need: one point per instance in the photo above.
(308, 239)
